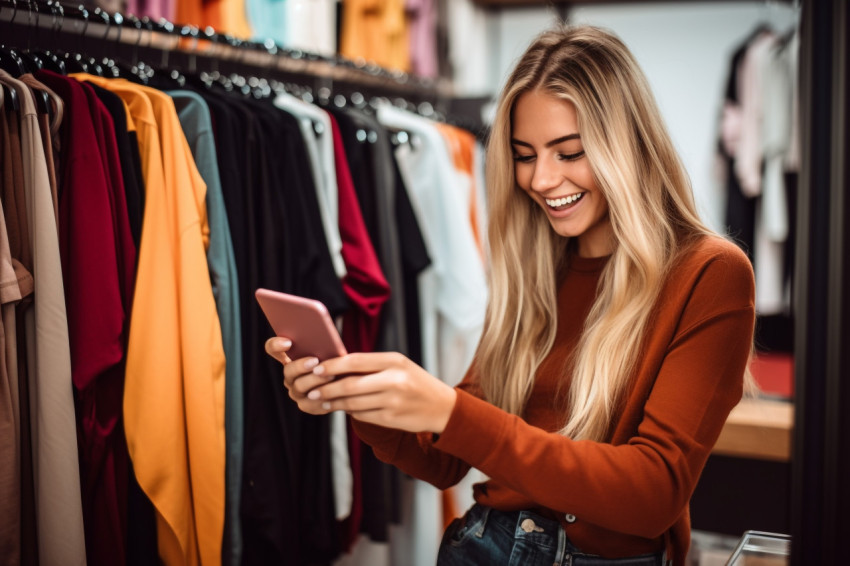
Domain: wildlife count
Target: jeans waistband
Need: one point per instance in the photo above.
(539, 530)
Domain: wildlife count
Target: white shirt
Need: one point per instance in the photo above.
(316, 129)
(468, 49)
(311, 25)
(453, 289)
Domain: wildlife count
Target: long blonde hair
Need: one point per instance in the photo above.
(652, 213)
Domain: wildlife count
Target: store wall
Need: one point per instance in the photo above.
(684, 49)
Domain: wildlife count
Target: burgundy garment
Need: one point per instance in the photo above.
(367, 289)
(364, 283)
(125, 246)
(97, 261)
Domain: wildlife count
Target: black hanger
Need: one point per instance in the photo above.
(76, 62)
(50, 58)
(10, 59)
(32, 62)
(117, 66)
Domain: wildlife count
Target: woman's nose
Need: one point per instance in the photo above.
(545, 176)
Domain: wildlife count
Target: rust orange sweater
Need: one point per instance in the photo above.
(630, 495)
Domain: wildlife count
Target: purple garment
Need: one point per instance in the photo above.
(154, 9)
(422, 16)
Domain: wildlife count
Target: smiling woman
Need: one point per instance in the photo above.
(615, 343)
(554, 171)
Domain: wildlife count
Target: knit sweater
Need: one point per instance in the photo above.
(629, 495)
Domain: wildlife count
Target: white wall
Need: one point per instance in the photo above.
(683, 47)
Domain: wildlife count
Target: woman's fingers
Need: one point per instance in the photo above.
(352, 394)
(360, 363)
(350, 388)
(303, 384)
(277, 347)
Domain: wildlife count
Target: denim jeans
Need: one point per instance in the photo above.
(487, 536)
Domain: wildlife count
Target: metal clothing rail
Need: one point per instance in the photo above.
(52, 24)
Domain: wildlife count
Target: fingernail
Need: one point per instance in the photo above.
(318, 370)
(326, 406)
(286, 344)
(311, 363)
(314, 394)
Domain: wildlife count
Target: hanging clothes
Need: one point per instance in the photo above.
(461, 145)
(377, 31)
(315, 126)
(311, 25)
(10, 425)
(268, 20)
(422, 19)
(469, 53)
(195, 120)
(154, 9)
(196, 197)
(452, 291)
(190, 504)
(364, 283)
(369, 155)
(757, 149)
(48, 358)
(288, 506)
(98, 256)
(16, 223)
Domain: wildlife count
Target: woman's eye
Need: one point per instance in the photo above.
(523, 158)
(570, 156)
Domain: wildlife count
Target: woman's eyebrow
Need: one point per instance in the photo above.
(550, 143)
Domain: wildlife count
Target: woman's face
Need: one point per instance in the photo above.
(551, 167)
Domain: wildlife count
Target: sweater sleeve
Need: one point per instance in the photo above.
(415, 454)
(641, 486)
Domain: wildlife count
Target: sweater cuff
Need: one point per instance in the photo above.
(384, 441)
(473, 428)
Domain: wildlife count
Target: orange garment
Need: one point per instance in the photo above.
(627, 496)
(226, 16)
(191, 12)
(234, 19)
(142, 118)
(377, 31)
(174, 389)
(462, 147)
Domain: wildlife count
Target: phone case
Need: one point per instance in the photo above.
(306, 322)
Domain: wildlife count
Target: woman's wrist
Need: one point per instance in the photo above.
(446, 407)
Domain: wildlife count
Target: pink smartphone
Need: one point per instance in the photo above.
(306, 322)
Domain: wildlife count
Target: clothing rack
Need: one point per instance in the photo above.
(147, 46)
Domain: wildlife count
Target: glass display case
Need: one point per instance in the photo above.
(757, 548)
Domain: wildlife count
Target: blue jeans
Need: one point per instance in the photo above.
(487, 536)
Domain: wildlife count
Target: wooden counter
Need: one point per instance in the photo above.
(760, 429)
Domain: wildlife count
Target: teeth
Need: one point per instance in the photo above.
(563, 200)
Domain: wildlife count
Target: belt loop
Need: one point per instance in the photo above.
(562, 546)
(480, 532)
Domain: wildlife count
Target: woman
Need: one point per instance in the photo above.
(615, 343)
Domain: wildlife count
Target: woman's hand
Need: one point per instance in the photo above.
(298, 376)
(386, 389)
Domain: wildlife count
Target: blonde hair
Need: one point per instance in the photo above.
(652, 213)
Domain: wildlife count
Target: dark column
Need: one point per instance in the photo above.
(820, 496)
